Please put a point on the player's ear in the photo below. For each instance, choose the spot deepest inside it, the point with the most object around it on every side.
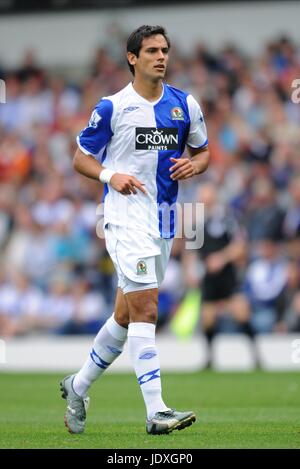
(131, 57)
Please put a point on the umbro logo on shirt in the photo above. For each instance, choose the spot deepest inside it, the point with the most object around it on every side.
(152, 138)
(130, 108)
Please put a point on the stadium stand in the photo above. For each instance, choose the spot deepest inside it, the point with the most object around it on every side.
(56, 276)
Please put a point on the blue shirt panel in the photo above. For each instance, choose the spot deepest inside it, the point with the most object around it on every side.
(167, 189)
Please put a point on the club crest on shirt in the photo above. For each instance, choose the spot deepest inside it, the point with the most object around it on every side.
(177, 114)
(141, 267)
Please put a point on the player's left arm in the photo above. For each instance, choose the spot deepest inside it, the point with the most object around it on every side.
(197, 144)
(184, 168)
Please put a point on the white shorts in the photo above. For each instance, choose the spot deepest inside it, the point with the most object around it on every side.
(139, 259)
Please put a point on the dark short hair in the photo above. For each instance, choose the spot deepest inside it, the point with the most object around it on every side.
(134, 42)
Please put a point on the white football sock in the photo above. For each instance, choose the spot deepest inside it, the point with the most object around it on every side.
(144, 356)
(108, 345)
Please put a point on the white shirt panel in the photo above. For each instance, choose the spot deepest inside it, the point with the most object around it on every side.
(198, 135)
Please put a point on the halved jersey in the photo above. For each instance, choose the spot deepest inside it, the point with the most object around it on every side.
(131, 135)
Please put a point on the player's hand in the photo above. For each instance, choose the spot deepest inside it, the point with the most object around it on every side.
(126, 184)
(183, 168)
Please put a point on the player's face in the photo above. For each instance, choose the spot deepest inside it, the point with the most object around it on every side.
(153, 58)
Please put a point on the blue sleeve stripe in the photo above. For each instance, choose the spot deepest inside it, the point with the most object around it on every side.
(84, 150)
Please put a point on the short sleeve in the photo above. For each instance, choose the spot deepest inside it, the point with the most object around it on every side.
(98, 133)
(197, 137)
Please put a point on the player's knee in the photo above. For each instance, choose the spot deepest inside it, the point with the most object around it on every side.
(143, 306)
(149, 314)
(145, 313)
(122, 317)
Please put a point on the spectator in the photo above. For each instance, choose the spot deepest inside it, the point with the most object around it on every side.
(90, 310)
(20, 302)
(224, 307)
(291, 226)
(265, 217)
(265, 283)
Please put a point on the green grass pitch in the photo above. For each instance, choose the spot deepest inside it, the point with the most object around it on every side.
(234, 410)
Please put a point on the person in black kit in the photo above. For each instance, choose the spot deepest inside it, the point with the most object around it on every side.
(224, 308)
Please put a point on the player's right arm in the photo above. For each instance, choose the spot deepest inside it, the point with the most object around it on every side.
(91, 144)
(88, 166)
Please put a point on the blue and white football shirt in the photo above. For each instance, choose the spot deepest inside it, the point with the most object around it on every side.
(132, 135)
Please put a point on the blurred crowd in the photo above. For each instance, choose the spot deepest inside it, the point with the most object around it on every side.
(55, 273)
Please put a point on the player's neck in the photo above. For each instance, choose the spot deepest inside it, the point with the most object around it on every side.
(149, 90)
